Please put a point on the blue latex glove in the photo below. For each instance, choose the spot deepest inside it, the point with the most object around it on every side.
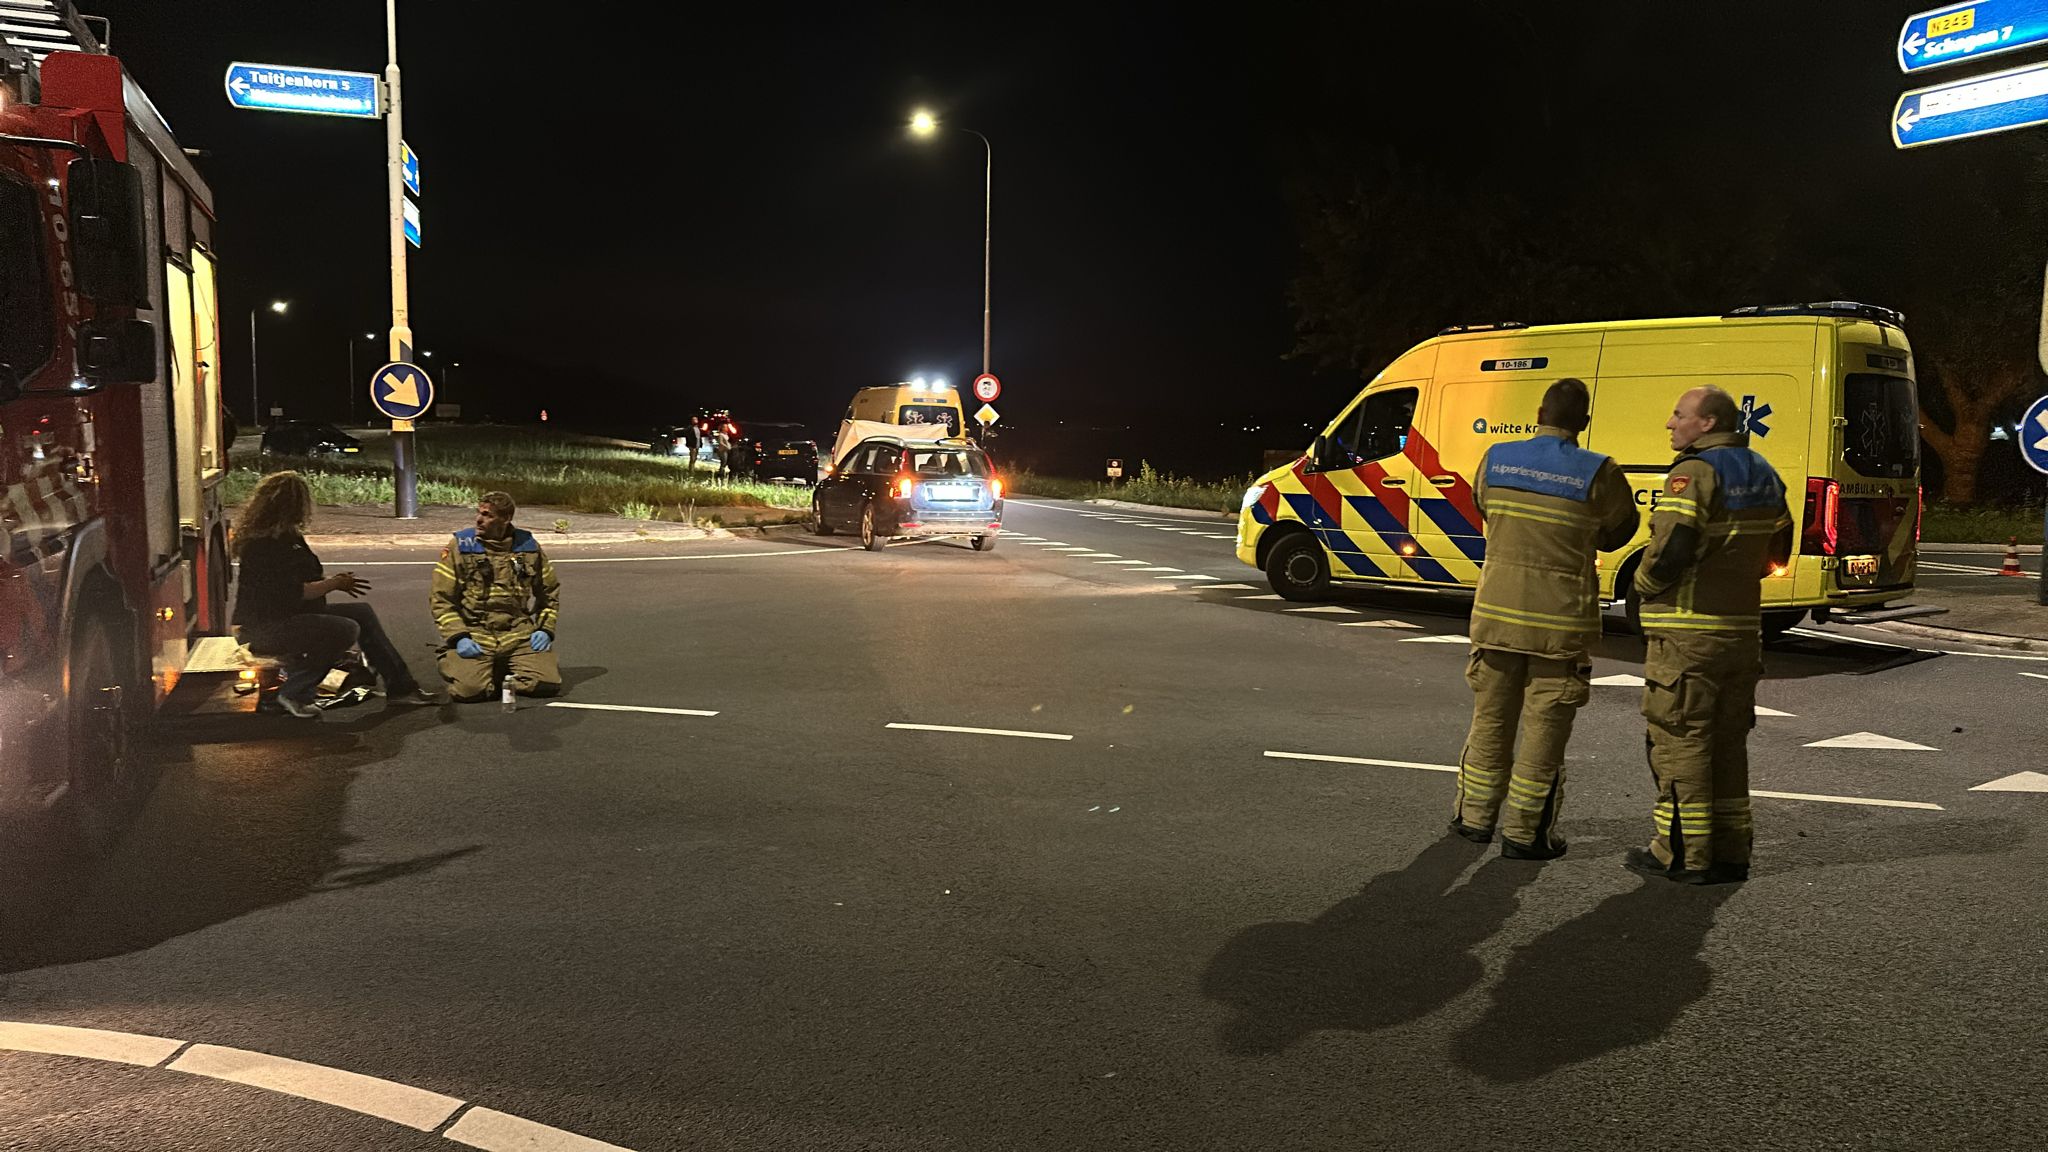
(541, 640)
(468, 649)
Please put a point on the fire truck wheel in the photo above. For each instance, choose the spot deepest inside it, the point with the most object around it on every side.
(1297, 569)
(97, 733)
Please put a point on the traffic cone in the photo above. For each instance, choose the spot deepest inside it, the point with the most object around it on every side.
(2012, 558)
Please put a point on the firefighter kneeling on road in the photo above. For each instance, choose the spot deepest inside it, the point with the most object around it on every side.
(495, 600)
(1719, 527)
(1548, 506)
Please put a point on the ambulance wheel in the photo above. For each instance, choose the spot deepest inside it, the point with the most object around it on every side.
(1297, 569)
(1776, 624)
(870, 539)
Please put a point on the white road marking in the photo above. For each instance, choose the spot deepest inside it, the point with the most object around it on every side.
(501, 1132)
(87, 1043)
(1188, 576)
(1865, 800)
(1155, 569)
(1270, 755)
(384, 1099)
(1052, 544)
(2017, 782)
(1763, 711)
(821, 551)
(1226, 536)
(1908, 648)
(1619, 680)
(1093, 555)
(1078, 548)
(370, 1095)
(1326, 609)
(1267, 596)
(1957, 569)
(2035, 675)
(1870, 740)
(981, 731)
(1378, 624)
(1436, 640)
(1246, 587)
(1123, 562)
(629, 708)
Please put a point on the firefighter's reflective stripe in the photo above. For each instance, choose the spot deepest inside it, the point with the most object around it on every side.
(1552, 621)
(1528, 795)
(1693, 819)
(1516, 510)
(1664, 616)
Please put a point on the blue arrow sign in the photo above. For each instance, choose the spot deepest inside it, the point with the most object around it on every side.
(412, 224)
(1970, 31)
(316, 91)
(401, 391)
(409, 164)
(2033, 435)
(2014, 98)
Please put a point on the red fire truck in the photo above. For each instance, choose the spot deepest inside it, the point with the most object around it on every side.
(111, 448)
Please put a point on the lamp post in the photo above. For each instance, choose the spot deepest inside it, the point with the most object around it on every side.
(352, 382)
(924, 126)
(255, 403)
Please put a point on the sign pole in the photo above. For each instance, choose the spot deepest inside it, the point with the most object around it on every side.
(404, 473)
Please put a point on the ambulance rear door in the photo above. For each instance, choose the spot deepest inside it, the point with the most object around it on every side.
(1487, 391)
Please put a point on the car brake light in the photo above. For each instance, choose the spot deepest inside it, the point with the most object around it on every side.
(1823, 506)
(995, 485)
(905, 485)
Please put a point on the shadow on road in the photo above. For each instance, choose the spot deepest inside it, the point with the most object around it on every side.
(1398, 950)
(259, 822)
(1621, 974)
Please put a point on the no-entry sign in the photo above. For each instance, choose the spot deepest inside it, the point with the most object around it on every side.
(987, 387)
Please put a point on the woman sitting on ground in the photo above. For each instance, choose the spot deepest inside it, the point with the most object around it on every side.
(281, 601)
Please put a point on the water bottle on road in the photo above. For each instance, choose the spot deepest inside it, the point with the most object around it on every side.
(505, 701)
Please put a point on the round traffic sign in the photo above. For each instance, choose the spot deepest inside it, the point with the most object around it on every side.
(2033, 435)
(401, 391)
(987, 387)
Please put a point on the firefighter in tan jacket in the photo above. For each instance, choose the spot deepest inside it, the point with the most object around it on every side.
(496, 602)
(1549, 505)
(1717, 529)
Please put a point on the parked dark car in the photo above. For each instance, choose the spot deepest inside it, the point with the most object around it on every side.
(307, 438)
(770, 451)
(672, 440)
(890, 487)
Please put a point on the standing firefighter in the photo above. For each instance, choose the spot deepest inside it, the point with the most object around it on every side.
(1548, 505)
(495, 600)
(1716, 530)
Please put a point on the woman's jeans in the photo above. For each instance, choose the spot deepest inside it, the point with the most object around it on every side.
(311, 643)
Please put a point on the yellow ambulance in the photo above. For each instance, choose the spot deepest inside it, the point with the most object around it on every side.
(1384, 495)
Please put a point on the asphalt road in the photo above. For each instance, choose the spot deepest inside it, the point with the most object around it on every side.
(792, 925)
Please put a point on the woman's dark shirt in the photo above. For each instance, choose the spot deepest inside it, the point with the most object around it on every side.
(272, 579)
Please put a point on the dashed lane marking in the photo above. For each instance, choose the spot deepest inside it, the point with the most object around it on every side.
(1763, 711)
(2017, 782)
(981, 731)
(1435, 640)
(1325, 609)
(826, 551)
(1870, 740)
(2035, 675)
(1379, 624)
(1866, 800)
(1186, 576)
(1123, 562)
(629, 708)
(1234, 587)
(387, 1100)
(1075, 548)
(1094, 555)
(1155, 569)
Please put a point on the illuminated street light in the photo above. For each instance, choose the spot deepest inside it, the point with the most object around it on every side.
(255, 405)
(924, 126)
(923, 123)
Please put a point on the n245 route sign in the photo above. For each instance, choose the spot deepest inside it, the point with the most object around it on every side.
(1971, 31)
(2014, 98)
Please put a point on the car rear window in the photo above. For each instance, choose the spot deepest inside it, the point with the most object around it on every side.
(1883, 433)
(930, 414)
(948, 462)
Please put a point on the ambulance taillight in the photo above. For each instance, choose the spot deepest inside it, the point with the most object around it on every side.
(1823, 505)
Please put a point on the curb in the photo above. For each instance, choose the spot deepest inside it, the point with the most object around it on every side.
(1163, 509)
(1963, 635)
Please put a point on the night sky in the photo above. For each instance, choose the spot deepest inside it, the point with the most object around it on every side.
(630, 213)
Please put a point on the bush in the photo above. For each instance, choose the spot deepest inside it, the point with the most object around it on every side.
(1973, 524)
(1149, 486)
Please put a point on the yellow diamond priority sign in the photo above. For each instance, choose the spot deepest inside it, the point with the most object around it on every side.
(986, 415)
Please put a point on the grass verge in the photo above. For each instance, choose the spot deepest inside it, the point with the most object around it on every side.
(458, 464)
(1149, 486)
(1949, 524)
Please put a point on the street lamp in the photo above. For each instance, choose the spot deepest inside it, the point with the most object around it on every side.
(369, 337)
(924, 126)
(255, 405)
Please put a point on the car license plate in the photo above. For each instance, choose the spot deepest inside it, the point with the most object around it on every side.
(950, 492)
(785, 451)
(1861, 567)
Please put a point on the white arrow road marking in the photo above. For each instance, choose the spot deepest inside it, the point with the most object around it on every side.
(981, 731)
(1378, 624)
(1763, 711)
(1436, 640)
(1619, 680)
(1327, 609)
(1870, 740)
(1867, 800)
(2035, 675)
(2017, 782)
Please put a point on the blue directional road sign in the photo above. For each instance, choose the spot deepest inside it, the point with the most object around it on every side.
(401, 391)
(409, 163)
(412, 224)
(1970, 31)
(316, 91)
(2033, 435)
(2014, 98)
